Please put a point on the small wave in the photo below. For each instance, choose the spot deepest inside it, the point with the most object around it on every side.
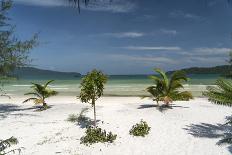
(57, 88)
(21, 85)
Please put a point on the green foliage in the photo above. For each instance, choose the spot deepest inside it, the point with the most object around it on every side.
(41, 92)
(96, 135)
(14, 52)
(220, 94)
(92, 86)
(5, 144)
(167, 89)
(140, 129)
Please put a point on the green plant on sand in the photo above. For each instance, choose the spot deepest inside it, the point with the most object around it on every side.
(7, 143)
(168, 89)
(41, 92)
(96, 135)
(140, 129)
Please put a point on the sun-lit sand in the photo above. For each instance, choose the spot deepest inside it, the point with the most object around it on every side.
(173, 131)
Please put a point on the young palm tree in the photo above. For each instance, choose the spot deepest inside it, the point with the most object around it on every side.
(41, 92)
(167, 89)
(221, 94)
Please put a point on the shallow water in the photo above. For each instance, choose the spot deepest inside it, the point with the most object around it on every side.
(118, 85)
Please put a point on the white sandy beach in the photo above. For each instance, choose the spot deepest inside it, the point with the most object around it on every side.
(48, 132)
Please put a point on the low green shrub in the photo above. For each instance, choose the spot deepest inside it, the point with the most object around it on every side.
(140, 129)
(96, 135)
(7, 143)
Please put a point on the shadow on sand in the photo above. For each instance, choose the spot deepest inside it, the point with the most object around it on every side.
(206, 130)
(7, 109)
(161, 108)
(87, 123)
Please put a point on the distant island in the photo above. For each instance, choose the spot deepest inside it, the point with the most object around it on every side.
(222, 70)
(35, 73)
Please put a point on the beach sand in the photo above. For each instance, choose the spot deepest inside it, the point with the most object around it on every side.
(173, 131)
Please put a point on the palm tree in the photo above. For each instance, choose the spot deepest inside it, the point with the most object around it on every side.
(167, 89)
(221, 94)
(41, 92)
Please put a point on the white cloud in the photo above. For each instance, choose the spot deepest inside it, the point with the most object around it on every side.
(50, 3)
(212, 51)
(171, 32)
(181, 14)
(94, 5)
(144, 59)
(125, 34)
(169, 48)
(206, 51)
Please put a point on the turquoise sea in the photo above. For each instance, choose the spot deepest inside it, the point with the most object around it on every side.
(118, 85)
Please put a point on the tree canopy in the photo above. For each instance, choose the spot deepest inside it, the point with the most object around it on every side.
(13, 51)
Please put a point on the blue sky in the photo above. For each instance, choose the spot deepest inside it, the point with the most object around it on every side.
(126, 36)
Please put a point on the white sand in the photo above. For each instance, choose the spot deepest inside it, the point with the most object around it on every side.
(47, 132)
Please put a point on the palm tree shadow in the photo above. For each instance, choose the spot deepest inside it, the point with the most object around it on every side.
(161, 108)
(206, 130)
(7, 109)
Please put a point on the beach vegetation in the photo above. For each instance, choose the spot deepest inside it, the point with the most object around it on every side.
(96, 135)
(6, 144)
(92, 86)
(40, 93)
(221, 93)
(14, 52)
(140, 129)
(168, 89)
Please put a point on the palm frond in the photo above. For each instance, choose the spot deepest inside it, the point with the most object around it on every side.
(45, 86)
(220, 94)
(29, 99)
(168, 90)
(33, 93)
(163, 75)
(7, 143)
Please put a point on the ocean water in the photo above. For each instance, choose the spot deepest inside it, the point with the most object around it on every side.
(117, 85)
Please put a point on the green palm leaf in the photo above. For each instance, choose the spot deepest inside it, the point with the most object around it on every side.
(41, 92)
(29, 99)
(220, 94)
(168, 90)
(45, 86)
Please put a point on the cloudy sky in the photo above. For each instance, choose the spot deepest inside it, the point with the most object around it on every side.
(126, 36)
